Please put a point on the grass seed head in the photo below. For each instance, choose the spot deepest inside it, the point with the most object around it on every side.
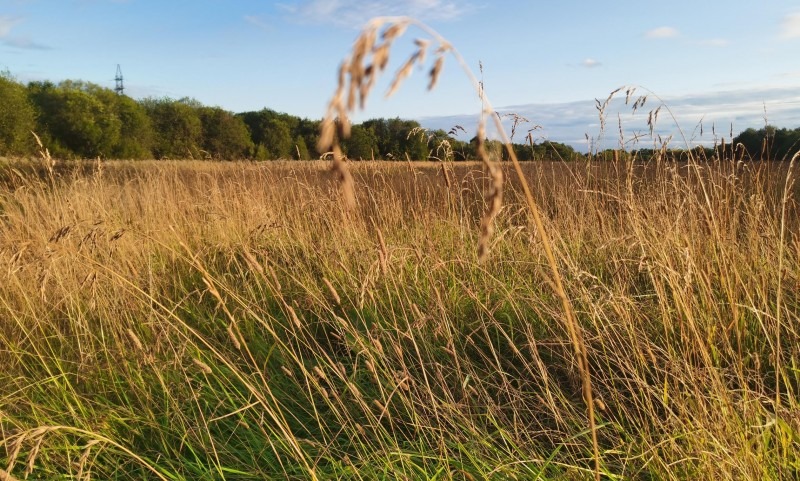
(205, 368)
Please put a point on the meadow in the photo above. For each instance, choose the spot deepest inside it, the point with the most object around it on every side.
(198, 320)
(621, 319)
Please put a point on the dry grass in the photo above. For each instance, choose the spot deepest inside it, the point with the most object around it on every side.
(191, 320)
(367, 60)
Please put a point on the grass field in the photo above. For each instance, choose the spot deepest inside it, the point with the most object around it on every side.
(209, 321)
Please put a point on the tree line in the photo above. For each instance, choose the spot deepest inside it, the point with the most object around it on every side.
(766, 143)
(77, 119)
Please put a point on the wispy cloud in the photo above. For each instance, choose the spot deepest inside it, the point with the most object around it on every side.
(355, 13)
(790, 26)
(7, 24)
(590, 63)
(662, 32)
(23, 43)
(258, 22)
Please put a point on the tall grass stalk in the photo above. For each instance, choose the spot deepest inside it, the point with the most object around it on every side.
(358, 73)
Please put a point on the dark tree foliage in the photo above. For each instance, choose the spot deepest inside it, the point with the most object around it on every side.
(256, 123)
(308, 130)
(301, 149)
(362, 144)
(397, 139)
(278, 139)
(281, 136)
(769, 143)
(178, 128)
(225, 136)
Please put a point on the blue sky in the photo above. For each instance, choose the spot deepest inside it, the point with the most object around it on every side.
(720, 61)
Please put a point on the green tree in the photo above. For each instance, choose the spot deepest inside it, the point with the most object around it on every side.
(787, 143)
(752, 141)
(74, 119)
(17, 117)
(177, 125)
(395, 139)
(225, 136)
(770, 143)
(308, 130)
(260, 152)
(415, 144)
(523, 152)
(388, 145)
(275, 134)
(462, 150)
(559, 151)
(278, 139)
(136, 132)
(301, 148)
(256, 124)
(362, 143)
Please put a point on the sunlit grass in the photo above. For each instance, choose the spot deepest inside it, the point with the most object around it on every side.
(232, 321)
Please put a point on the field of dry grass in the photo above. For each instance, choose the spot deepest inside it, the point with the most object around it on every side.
(188, 320)
(399, 320)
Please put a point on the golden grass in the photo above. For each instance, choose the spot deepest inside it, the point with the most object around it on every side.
(357, 76)
(148, 307)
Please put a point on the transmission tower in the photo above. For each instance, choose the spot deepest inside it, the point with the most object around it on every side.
(120, 88)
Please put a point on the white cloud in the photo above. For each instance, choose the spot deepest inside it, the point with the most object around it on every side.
(662, 32)
(590, 63)
(6, 24)
(790, 27)
(356, 13)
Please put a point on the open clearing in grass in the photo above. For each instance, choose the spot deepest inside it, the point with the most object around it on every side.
(192, 320)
